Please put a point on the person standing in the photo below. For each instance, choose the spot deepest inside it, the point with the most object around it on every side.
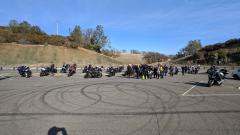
(165, 70)
(161, 71)
(171, 68)
(155, 72)
(158, 72)
(183, 70)
(137, 70)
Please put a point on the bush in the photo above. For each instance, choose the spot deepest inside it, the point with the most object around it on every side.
(57, 40)
(36, 39)
(3, 39)
(23, 41)
(73, 45)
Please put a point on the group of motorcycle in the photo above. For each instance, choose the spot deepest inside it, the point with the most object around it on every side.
(92, 72)
(112, 71)
(25, 71)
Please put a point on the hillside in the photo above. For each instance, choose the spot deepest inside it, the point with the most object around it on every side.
(127, 58)
(219, 53)
(14, 54)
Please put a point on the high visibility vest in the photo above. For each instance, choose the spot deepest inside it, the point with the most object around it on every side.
(161, 69)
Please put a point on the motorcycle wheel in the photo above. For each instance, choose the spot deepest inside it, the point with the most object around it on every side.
(70, 74)
(210, 83)
(26, 74)
(86, 75)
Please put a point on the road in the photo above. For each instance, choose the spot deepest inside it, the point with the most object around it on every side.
(182, 105)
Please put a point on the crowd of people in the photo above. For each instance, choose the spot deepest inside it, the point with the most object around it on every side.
(190, 69)
(145, 71)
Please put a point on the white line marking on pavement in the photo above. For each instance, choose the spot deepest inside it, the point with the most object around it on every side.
(211, 95)
(190, 89)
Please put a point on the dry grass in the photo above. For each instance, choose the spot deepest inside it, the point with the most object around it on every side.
(130, 58)
(14, 54)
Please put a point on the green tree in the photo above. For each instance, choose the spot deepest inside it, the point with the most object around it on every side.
(99, 38)
(24, 27)
(36, 30)
(192, 47)
(222, 56)
(211, 57)
(195, 57)
(76, 35)
(87, 36)
(152, 57)
(13, 25)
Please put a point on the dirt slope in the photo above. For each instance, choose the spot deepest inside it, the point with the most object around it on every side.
(14, 54)
(126, 58)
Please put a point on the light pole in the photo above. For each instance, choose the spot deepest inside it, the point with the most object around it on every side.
(57, 28)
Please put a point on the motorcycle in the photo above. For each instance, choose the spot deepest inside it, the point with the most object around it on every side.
(64, 68)
(85, 69)
(72, 70)
(94, 73)
(111, 72)
(45, 71)
(225, 72)
(24, 71)
(215, 78)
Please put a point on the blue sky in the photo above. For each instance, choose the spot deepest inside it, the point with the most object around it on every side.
(147, 25)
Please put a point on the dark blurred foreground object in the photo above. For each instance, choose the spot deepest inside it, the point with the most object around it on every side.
(55, 130)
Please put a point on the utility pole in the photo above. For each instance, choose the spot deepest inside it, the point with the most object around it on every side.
(57, 28)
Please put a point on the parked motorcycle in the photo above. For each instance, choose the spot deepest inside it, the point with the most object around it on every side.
(215, 77)
(224, 71)
(93, 73)
(24, 71)
(72, 70)
(111, 72)
(65, 68)
(45, 71)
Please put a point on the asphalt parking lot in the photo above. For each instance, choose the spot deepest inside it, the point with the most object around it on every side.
(182, 105)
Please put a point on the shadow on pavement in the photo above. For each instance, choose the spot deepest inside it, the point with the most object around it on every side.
(201, 84)
(4, 77)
